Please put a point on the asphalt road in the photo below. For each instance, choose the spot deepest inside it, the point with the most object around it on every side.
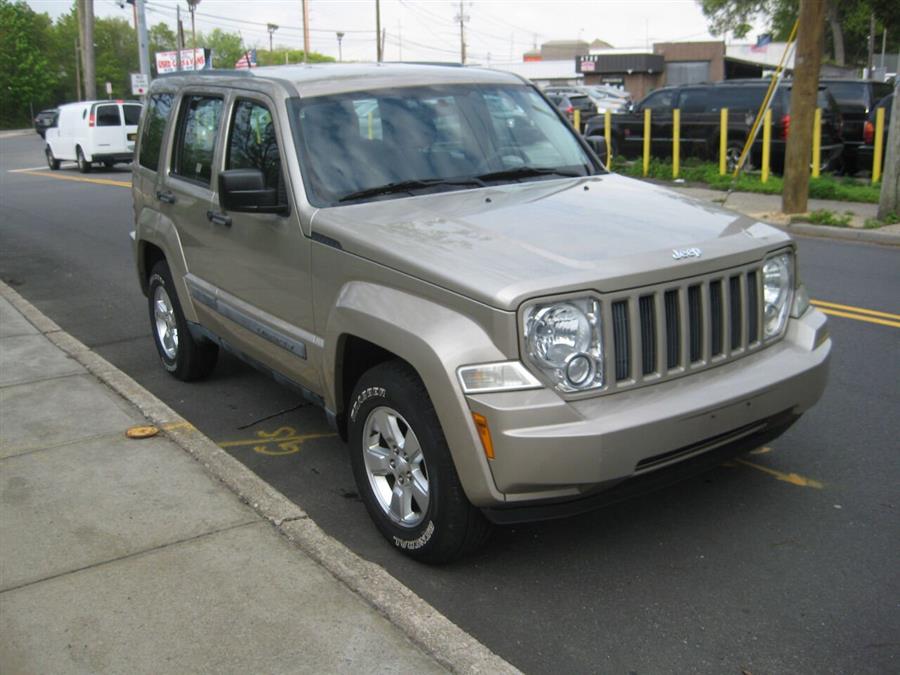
(786, 561)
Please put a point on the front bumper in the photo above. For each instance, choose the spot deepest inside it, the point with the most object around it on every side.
(547, 448)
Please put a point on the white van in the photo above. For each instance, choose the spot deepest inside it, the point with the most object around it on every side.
(93, 131)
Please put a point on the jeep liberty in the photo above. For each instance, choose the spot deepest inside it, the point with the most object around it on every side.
(500, 329)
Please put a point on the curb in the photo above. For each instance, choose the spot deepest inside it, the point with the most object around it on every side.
(843, 233)
(12, 133)
(430, 630)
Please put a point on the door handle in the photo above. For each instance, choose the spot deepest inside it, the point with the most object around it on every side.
(166, 197)
(218, 218)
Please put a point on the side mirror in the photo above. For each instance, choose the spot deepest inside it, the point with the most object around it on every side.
(244, 190)
(598, 145)
(629, 107)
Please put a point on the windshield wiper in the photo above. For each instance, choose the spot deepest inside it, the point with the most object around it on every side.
(529, 172)
(407, 185)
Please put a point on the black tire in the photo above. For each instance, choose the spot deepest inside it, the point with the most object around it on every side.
(190, 359)
(733, 153)
(84, 166)
(52, 162)
(449, 527)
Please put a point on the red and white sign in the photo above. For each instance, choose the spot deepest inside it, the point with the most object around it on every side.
(191, 59)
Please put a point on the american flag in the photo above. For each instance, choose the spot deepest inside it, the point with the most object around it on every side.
(247, 60)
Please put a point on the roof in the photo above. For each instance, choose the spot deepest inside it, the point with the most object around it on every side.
(320, 79)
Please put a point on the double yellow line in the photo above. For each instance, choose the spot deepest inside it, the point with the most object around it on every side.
(858, 313)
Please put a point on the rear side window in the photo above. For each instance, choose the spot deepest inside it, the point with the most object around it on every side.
(253, 144)
(108, 116)
(661, 100)
(693, 100)
(745, 97)
(132, 114)
(158, 110)
(196, 138)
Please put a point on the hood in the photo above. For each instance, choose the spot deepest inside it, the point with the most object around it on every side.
(502, 245)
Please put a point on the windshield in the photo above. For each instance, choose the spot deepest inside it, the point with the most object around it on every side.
(396, 142)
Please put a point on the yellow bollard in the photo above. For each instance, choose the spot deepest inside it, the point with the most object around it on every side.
(767, 145)
(723, 141)
(607, 131)
(646, 141)
(817, 143)
(879, 141)
(577, 120)
(676, 142)
(371, 125)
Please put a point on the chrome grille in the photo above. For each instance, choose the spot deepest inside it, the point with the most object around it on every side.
(665, 331)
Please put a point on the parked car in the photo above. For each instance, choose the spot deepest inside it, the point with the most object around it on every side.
(855, 99)
(603, 98)
(569, 103)
(866, 151)
(700, 107)
(500, 329)
(93, 131)
(44, 120)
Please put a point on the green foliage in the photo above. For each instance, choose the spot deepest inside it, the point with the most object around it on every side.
(735, 16)
(692, 171)
(874, 223)
(823, 217)
(26, 77)
(226, 47)
(277, 57)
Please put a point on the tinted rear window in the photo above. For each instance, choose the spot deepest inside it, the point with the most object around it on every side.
(108, 116)
(132, 114)
(736, 98)
(152, 134)
(848, 92)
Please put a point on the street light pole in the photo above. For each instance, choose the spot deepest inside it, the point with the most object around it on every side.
(143, 39)
(271, 28)
(192, 5)
(340, 36)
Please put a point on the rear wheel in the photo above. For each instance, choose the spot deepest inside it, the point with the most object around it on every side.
(182, 355)
(52, 162)
(84, 166)
(404, 471)
(733, 155)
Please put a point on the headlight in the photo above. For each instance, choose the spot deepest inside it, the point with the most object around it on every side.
(778, 291)
(563, 341)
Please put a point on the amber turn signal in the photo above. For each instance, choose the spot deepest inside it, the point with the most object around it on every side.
(485, 434)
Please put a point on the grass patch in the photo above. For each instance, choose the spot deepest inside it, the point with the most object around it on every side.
(824, 217)
(874, 223)
(693, 171)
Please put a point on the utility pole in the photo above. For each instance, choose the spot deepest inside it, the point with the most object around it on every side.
(378, 43)
(143, 40)
(340, 36)
(305, 31)
(179, 37)
(889, 202)
(462, 18)
(77, 70)
(86, 32)
(192, 6)
(271, 27)
(808, 59)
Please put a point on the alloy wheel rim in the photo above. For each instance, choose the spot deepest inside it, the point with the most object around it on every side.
(395, 467)
(164, 321)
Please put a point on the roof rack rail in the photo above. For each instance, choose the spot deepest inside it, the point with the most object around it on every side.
(221, 72)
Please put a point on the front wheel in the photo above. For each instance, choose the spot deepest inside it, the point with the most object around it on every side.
(52, 162)
(404, 471)
(182, 355)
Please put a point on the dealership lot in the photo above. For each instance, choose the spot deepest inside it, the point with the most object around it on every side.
(785, 560)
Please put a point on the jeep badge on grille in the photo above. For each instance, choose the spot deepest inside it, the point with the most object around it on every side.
(681, 253)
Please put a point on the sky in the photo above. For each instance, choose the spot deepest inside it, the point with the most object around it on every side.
(497, 31)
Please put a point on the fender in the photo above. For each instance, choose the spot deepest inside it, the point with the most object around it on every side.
(435, 341)
(155, 228)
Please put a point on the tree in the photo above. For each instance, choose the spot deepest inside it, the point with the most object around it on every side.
(26, 78)
(226, 47)
(116, 56)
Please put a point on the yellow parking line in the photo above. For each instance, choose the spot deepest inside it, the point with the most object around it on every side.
(77, 179)
(792, 478)
(856, 310)
(858, 317)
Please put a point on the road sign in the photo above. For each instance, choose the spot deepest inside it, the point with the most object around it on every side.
(109, 88)
(139, 84)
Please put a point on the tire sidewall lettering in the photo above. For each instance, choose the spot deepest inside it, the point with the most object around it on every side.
(418, 542)
(365, 395)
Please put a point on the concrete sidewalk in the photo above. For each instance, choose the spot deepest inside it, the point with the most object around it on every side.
(768, 208)
(121, 555)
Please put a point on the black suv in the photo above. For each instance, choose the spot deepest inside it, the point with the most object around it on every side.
(700, 106)
(856, 99)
